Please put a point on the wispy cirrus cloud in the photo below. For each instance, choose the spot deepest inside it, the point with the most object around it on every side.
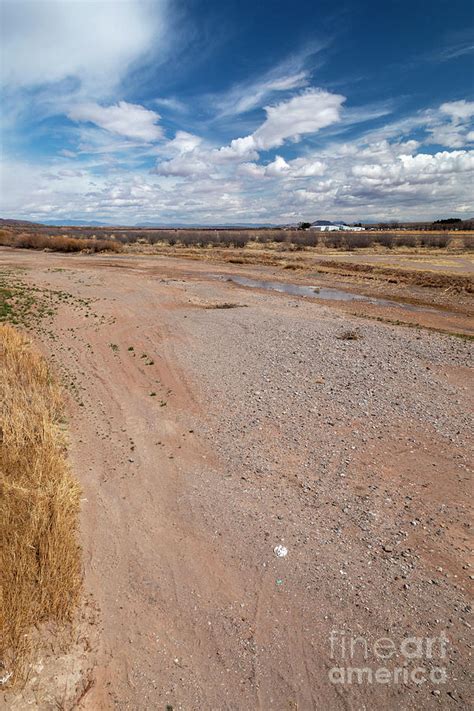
(245, 97)
(172, 104)
(47, 42)
(449, 125)
(455, 51)
(292, 73)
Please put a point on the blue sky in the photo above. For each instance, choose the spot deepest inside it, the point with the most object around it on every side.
(206, 112)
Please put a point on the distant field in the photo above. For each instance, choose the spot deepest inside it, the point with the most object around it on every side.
(442, 260)
(99, 239)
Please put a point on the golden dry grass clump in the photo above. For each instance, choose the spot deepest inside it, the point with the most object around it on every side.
(40, 560)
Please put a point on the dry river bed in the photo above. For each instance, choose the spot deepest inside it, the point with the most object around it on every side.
(207, 440)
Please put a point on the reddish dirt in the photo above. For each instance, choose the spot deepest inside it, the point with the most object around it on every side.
(192, 613)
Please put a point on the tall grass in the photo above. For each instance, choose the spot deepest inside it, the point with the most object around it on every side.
(40, 560)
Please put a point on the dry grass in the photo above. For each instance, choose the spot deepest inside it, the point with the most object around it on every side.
(437, 280)
(57, 243)
(40, 559)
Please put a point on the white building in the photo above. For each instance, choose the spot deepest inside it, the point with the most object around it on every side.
(337, 228)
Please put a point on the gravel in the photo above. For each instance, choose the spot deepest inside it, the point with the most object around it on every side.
(350, 453)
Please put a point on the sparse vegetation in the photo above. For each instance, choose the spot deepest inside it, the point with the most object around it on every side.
(22, 303)
(439, 235)
(18, 303)
(40, 558)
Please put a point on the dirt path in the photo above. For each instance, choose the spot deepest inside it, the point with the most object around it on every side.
(204, 437)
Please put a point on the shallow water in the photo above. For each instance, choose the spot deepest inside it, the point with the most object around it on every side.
(316, 292)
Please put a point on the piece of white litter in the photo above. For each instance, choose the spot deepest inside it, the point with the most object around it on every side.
(5, 677)
(280, 551)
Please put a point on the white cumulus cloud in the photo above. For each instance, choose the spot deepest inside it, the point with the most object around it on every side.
(289, 120)
(458, 110)
(301, 115)
(239, 149)
(183, 142)
(123, 119)
(277, 167)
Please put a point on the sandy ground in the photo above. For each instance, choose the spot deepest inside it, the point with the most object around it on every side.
(205, 437)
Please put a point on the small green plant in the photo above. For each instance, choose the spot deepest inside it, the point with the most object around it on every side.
(153, 394)
(130, 348)
(114, 347)
(225, 305)
(349, 336)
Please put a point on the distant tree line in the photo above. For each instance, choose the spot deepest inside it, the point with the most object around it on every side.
(450, 223)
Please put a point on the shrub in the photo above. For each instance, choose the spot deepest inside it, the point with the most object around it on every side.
(406, 240)
(468, 243)
(334, 240)
(6, 238)
(62, 243)
(386, 239)
(439, 241)
(356, 240)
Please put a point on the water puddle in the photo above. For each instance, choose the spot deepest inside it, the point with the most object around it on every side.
(320, 292)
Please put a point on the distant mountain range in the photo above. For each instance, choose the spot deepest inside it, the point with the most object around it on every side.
(319, 223)
(149, 225)
(183, 225)
(76, 223)
(18, 223)
(316, 223)
(160, 225)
